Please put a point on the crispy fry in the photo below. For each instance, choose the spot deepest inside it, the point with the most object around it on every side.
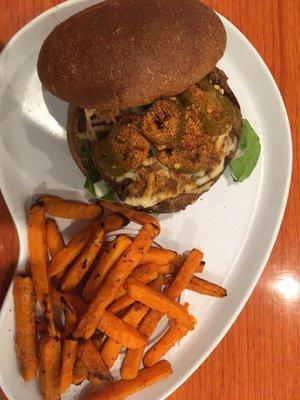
(153, 317)
(200, 267)
(110, 351)
(26, 331)
(145, 276)
(178, 260)
(205, 287)
(131, 363)
(93, 361)
(55, 241)
(68, 359)
(79, 372)
(164, 269)
(135, 216)
(114, 281)
(79, 305)
(121, 389)
(184, 274)
(85, 260)
(165, 343)
(49, 351)
(111, 348)
(70, 318)
(114, 222)
(108, 258)
(69, 301)
(159, 302)
(159, 256)
(132, 360)
(62, 259)
(120, 331)
(69, 348)
(39, 263)
(69, 209)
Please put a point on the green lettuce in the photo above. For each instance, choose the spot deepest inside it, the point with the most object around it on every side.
(242, 166)
(93, 176)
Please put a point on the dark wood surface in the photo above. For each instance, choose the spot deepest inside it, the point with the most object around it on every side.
(259, 359)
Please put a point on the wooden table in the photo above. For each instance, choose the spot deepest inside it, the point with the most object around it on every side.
(259, 359)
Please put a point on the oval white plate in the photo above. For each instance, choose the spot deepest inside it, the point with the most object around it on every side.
(234, 224)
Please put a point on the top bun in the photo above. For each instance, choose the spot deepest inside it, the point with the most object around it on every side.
(123, 53)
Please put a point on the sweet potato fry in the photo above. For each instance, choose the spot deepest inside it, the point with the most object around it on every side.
(165, 343)
(178, 260)
(110, 351)
(50, 352)
(205, 287)
(39, 263)
(93, 361)
(131, 363)
(200, 267)
(62, 259)
(120, 331)
(114, 222)
(69, 348)
(55, 241)
(26, 331)
(132, 360)
(121, 389)
(164, 269)
(135, 216)
(111, 348)
(106, 261)
(114, 281)
(69, 301)
(70, 319)
(144, 276)
(159, 302)
(153, 317)
(84, 262)
(69, 209)
(184, 274)
(69, 354)
(80, 373)
(159, 256)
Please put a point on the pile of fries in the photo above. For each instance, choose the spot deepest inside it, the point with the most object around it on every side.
(98, 296)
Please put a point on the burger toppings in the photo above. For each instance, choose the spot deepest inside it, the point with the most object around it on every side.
(163, 123)
(175, 145)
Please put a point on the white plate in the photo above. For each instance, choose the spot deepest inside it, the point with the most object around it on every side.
(234, 224)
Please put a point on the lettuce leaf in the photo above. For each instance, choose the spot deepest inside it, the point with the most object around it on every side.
(250, 148)
(92, 177)
(108, 197)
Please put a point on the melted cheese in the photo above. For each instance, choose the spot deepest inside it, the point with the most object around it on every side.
(90, 133)
(200, 182)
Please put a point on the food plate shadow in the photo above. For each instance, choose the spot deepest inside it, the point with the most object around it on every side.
(56, 107)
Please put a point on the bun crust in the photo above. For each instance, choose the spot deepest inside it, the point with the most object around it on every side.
(123, 53)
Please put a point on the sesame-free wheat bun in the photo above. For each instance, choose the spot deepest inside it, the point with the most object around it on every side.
(124, 53)
(149, 109)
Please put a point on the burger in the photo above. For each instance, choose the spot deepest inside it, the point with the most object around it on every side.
(150, 113)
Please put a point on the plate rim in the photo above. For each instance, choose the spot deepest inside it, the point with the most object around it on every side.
(279, 218)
